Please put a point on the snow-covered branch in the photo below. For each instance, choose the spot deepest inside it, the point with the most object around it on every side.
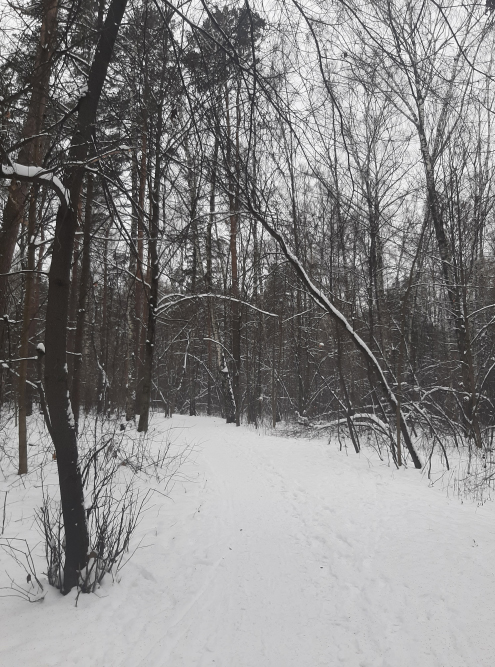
(358, 419)
(39, 175)
(163, 306)
(324, 302)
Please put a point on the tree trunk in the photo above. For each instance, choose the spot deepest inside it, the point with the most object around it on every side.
(81, 303)
(26, 325)
(140, 292)
(229, 404)
(31, 152)
(56, 379)
(457, 301)
(274, 386)
(209, 267)
(131, 335)
(192, 183)
(73, 300)
(102, 388)
(144, 408)
(234, 171)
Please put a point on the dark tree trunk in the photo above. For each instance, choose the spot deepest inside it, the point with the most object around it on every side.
(235, 311)
(140, 294)
(131, 322)
(73, 300)
(144, 407)
(56, 378)
(209, 268)
(102, 388)
(31, 151)
(26, 325)
(455, 290)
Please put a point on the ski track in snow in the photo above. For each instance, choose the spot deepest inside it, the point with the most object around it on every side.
(281, 553)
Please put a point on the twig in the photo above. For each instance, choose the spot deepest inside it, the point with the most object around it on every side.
(4, 508)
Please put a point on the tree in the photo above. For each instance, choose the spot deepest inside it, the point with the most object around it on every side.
(62, 425)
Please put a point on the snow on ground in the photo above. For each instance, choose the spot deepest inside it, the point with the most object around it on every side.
(276, 553)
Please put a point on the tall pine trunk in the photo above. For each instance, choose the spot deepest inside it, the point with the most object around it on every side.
(144, 407)
(235, 310)
(31, 152)
(139, 292)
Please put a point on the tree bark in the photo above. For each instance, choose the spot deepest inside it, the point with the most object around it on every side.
(56, 377)
(456, 299)
(234, 223)
(26, 325)
(144, 408)
(102, 387)
(208, 278)
(131, 329)
(81, 303)
(31, 152)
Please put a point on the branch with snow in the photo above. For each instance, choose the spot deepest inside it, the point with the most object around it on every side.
(357, 419)
(179, 298)
(36, 175)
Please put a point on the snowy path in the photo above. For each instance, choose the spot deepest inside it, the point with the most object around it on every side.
(282, 553)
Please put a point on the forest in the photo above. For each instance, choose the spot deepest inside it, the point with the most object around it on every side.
(279, 214)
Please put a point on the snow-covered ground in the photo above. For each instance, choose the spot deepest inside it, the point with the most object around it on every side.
(273, 552)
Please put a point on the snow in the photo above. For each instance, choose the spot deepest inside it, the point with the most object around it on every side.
(273, 552)
(70, 414)
(41, 348)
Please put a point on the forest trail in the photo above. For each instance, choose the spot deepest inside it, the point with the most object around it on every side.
(282, 553)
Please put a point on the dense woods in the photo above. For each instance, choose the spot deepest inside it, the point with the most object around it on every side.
(271, 213)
